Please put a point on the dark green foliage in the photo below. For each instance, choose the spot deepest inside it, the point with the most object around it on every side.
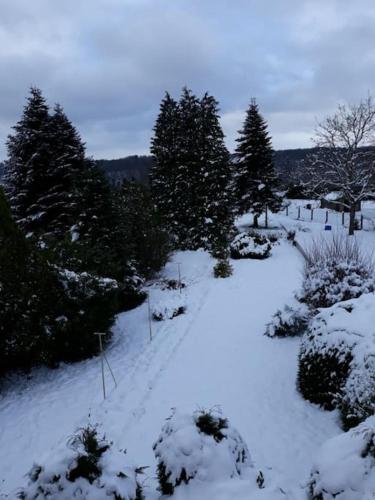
(223, 269)
(260, 480)
(148, 242)
(255, 180)
(47, 315)
(321, 377)
(28, 160)
(87, 465)
(211, 425)
(191, 174)
(166, 486)
(29, 292)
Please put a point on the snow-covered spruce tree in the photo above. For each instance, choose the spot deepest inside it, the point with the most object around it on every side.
(215, 196)
(341, 161)
(28, 160)
(190, 179)
(164, 148)
(255, 180)
(59, 196)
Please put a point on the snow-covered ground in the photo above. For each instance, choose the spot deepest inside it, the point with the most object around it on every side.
(214, 355)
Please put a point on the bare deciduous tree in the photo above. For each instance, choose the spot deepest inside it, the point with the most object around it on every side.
(343, 160)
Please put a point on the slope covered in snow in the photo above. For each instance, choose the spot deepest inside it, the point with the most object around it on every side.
(214, 355)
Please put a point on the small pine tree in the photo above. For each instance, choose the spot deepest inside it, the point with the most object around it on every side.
(255, 179)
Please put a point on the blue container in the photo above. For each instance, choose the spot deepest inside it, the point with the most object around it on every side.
(327, 227)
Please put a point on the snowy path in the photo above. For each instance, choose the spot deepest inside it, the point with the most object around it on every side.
(216, 354)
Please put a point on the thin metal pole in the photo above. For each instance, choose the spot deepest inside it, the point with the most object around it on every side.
(312, 214)
(110, 369)
(326, 216)
(149, 315)
(179, 276)
(102, 362)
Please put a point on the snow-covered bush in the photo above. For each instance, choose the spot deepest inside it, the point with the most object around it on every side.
(337, 359)
(171, 306)
(344, 468)
(250, 246)
(202, 446)
(223, 269)
(88, 471)
(289, 322)
(336, 270)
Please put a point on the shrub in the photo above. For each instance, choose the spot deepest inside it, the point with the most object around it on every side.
(200, 446)
(85, 472)
(345, 466)
(289, 322)
(173, 305)
(337, 359)
(336, 270)
(250, 246)
(223, 269)
(170, 284)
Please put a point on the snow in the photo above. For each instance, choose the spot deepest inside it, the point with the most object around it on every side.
(344, 466)
(216, 354)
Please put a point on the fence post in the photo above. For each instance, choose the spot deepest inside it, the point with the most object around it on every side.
(312, 214)
(343, 218)
(361, 221)
(326, 216)
(287, 210)
(299, 213)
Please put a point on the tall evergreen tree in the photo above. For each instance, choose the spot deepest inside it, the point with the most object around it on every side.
(216, 225)
(59, 200)
(194, 191)
(28, 161)
(164, 148)
(254, 179)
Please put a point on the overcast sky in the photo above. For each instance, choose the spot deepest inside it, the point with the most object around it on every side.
(108, 62)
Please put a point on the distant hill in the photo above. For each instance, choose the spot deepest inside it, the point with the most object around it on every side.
(287, 163)
(130, 168)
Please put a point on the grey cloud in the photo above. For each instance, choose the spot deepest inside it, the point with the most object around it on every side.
(108, 62)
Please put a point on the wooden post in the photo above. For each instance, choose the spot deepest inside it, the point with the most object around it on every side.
(312, 213)
(266, 217)
(149, 315)
(287, 210)
(326, 216)
(101, 358)
(361, 221)
(343, 218)
(299, 213)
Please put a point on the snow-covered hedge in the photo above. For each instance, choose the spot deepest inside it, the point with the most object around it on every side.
(171, 306)
(289, 322)
(344, 468)
(90, 470)
(337, 359)
(250, 246)
(201, 446)
(336, 270)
